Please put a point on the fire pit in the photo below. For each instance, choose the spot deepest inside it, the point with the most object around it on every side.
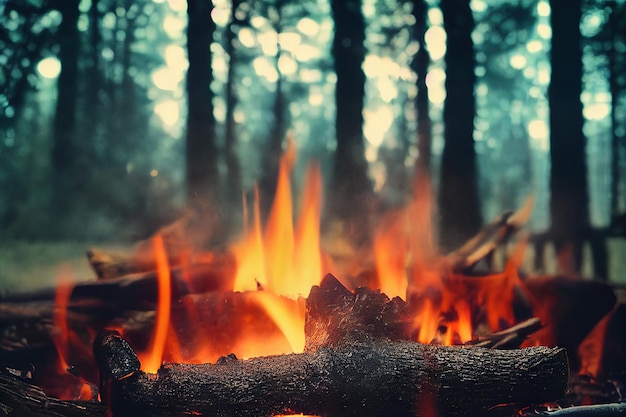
(413, 333)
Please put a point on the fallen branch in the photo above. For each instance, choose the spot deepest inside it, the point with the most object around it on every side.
(367, 378)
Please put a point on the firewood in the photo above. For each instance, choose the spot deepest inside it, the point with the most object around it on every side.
(596, 410)
(130, 292)
(489, 238)
(186, 240)
(508, 338)
(365, 378)
(569, 309)
(335, 314)
(20, 398)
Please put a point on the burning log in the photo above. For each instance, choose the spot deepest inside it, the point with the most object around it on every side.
(365, 378)
(19, 398)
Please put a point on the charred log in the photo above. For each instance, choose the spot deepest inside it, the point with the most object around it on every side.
(355, 379)
(19, 398)
(335, 314)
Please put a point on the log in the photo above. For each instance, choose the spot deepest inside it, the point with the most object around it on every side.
(111, 297)
(19, 398)
(365, 378)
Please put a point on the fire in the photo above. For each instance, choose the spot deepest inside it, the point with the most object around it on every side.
(280, 259)
(279, 262)
(65, 340)
(152, 359)
(276, 266)
(409, 266)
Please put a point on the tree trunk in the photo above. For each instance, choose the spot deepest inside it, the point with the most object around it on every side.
(569, 201)
(351, 188)
(232, 162)
(201, 152)
(614, 88)
(273, 149)
(459, 203)
(420, 66)
(65, 149)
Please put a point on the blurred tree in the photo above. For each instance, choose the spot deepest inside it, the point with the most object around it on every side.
(66, 150)
(201, 153)
(459, 203)
(610, 40)
(617, 85)
(420, 66)
(505, 29)
(569, 201)
(350, 188)
(239, 18)
(27, 32)
(275, 12)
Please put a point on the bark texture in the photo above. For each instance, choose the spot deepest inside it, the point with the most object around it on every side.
(360, 379)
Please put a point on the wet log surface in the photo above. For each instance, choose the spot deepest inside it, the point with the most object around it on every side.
(367, 378)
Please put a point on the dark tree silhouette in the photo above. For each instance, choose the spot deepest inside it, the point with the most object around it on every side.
(233, 185)
(420, 66)
(459, 204)
(201, 149)
(614, 40)
(569, 201)
(278, 130)
(65, 149)
(351, 188)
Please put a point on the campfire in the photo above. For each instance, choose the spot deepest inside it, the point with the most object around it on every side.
(283, 320)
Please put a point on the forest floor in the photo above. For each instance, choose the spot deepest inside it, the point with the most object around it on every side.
(28, 266)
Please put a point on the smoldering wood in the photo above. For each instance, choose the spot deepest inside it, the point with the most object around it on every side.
(19, 398)
(569, 308)
(335, 314)
(366, 378)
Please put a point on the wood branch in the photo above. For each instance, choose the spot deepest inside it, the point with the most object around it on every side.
(508, 338)
(185, 241)
(597, 410)
(19, 398)
(360, 379)
(487, 240)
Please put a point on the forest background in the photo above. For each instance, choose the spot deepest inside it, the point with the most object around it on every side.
(116, 114)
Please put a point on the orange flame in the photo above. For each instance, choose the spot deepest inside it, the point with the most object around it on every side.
(408, 265)
(61, 300)
(151, 361)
